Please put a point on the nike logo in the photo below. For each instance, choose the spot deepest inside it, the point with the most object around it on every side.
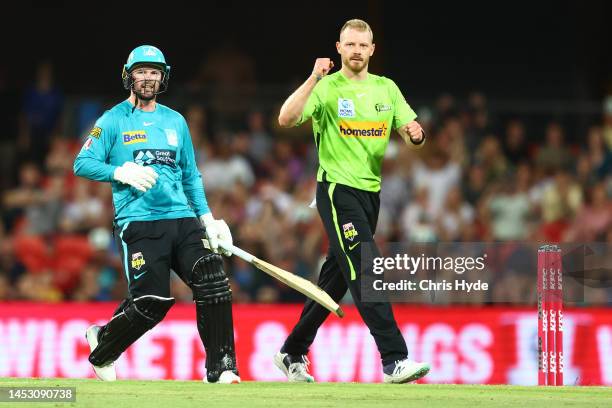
(359, 95)
(353, 246)
(139, 275)
(148, 123)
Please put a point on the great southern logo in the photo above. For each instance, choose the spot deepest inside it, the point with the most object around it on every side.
(363, 129)
(134, 136)
(148, 157)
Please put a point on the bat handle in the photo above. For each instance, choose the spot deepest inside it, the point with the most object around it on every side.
(236, 251)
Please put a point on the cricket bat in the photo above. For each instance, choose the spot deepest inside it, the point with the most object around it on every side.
(298, 283)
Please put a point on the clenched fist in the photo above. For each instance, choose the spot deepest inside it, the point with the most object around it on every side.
(415, 131)
(322, 67)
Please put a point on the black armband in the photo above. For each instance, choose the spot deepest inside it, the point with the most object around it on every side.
(419, 142)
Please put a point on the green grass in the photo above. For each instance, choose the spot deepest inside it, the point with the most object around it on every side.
(179, 394)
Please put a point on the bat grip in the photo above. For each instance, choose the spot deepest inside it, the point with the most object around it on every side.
(237, 251)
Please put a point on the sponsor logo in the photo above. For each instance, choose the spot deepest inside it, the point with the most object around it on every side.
(359, 95)
(139, 275)
(148, 123)
(346, 108)
(349, 231)
(172, 137)
(95, 132)
(150, 52)
(148, 157)
(87, 144)
(134, 136)
(363, 129)
(381, 107)
(353, 246)
(137, 261)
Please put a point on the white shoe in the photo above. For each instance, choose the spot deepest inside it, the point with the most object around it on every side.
(226, 377)
(404, 371)
(107, 372)
(295, 368)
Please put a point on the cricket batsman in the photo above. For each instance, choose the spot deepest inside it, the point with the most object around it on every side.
(352, 114)
(144, 150)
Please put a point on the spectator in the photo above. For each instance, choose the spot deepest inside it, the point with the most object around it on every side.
(456, 216)
(554, 155)
(438, 174)
(197, 121)
(224, 169)
(594, 219)
(607, 121)
(40, 206)
(515, 143)
(261, 141)
(475, 185)
(509, 211)
(418, 218)
(491, 157)
(599, 155)
(81, 213)
(41, 109)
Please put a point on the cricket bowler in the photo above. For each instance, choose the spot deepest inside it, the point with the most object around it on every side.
(353, 113)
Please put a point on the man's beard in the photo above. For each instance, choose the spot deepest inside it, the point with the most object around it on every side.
(150, 95)
(356, 66)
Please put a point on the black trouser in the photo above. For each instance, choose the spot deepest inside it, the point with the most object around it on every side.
(149, 249)
(349, 216)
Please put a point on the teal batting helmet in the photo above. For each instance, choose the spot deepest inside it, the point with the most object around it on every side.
(145, 55)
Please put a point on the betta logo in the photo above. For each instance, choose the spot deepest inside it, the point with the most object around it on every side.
(363, 129)
(134, 136)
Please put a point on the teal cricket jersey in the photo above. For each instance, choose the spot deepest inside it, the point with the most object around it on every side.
(159, 139)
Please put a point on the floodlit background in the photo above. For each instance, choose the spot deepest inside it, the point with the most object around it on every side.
(516, 101)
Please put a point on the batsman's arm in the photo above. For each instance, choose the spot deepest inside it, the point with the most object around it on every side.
(294, 107)
(92, 160)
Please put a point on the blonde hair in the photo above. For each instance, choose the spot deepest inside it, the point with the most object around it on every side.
(359, 25)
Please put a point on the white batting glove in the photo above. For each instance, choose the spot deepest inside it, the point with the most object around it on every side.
(216, 230)
(140, 177)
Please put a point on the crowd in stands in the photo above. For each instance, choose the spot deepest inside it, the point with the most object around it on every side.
(480, 177)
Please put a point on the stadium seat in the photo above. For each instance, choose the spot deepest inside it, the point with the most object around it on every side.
(33, 252)
(72, 252)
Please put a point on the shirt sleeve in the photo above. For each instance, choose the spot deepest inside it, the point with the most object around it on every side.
(92, 162)
(402, 112)
(313, 107)
(193, 185)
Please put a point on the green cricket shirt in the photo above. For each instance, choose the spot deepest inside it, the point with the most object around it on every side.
(352, 122)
